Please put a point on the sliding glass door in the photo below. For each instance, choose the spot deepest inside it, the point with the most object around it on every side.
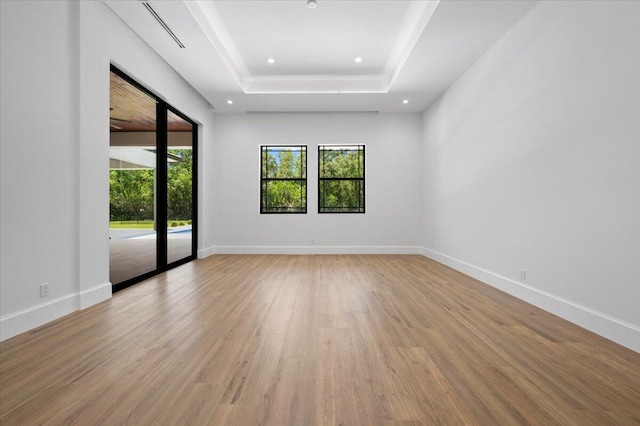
(151, 184)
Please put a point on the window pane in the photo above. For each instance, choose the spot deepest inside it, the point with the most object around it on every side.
(284, 196)
(342, 162)
(132, 181)
(179, 188)
(342, 196)
(284, 162)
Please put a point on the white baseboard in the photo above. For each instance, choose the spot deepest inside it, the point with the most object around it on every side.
(609, 327)
(206, 252)
(27, 319)
(95, 295)
(314, 250)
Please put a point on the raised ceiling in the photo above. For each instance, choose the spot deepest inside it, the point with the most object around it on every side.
(409, 50)
(340, 47)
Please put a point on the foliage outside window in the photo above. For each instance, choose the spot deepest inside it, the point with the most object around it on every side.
(341, 179)
(179, 182)
(131, 191)
(283, 183)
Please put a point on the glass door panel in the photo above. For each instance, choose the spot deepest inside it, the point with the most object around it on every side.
(179, 188)
(132, 182)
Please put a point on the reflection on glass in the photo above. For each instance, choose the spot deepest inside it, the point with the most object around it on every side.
(132, 182)
(179, 188)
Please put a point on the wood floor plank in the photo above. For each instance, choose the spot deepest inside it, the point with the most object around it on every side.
(418, 382)
(264, 364)
(327, 340)
(292, 401)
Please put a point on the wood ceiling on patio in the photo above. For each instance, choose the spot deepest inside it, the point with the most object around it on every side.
(132, 110)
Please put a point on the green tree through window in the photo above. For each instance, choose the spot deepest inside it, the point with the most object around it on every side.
(341, 179)
(283, 183)
(179, 181)
(131, 191)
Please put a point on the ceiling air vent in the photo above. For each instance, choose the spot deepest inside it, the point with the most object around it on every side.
(163, 24)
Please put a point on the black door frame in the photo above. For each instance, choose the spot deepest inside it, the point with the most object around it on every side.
(162, 109)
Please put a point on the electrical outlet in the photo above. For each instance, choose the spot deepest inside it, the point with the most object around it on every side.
(44, 290)
(523, 275)
(313, 242)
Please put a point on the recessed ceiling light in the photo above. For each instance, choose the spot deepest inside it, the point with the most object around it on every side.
(312, 4)
(358, 59)
(406, 101)
(271, 60)
(229, 101)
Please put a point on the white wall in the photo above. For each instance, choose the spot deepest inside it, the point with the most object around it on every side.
(55, 142)
(38, 157)
(532, 161)
(393, 184)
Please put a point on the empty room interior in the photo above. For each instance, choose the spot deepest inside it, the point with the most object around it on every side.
(341, 212)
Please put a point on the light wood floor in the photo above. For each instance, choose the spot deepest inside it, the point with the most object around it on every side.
(339, 340)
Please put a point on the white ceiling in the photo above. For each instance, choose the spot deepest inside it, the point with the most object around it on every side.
(313, 51)
(410, 50)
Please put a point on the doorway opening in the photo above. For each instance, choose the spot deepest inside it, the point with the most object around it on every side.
(152, 184)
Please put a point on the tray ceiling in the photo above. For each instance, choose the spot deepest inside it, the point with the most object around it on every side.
(410, 51)
(338, 47)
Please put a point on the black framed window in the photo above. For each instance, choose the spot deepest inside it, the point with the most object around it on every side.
(283, 179)
(341, 181)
